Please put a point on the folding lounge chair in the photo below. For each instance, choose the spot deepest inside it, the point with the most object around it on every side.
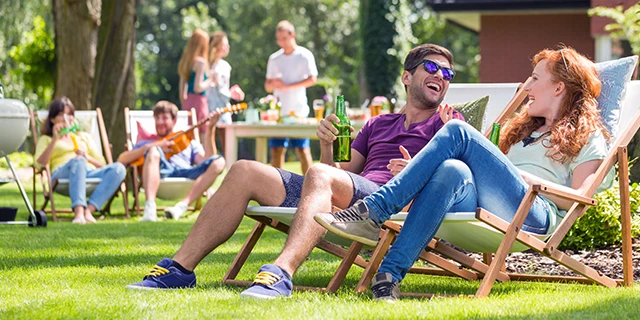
(280, 218)
(170, 188)
(484, 232)
(90, 121)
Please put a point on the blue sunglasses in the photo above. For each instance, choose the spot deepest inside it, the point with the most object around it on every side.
(432, 67)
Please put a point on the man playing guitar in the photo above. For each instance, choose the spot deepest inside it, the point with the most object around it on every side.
(194, 162)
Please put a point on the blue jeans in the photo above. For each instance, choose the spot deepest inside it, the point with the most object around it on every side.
(77, 172)
(457, 171)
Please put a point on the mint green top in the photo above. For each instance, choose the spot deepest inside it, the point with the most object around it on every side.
(533, 160)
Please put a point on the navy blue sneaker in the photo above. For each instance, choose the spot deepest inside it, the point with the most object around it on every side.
(165, 276)
(270, 282)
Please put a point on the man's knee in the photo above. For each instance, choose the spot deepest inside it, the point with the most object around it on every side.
(216, 166)
(243, 169)
(320, 173)
(153, 154)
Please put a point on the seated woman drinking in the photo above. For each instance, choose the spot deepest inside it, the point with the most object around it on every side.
(74, 156)
(557, 139)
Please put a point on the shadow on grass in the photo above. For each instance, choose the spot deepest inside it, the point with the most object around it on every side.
(625, 308)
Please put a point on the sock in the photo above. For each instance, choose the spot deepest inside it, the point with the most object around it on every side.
(180, 267)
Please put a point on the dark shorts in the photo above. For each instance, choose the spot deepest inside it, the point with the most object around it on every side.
(167, 170)
(362, 187)
(286, 142)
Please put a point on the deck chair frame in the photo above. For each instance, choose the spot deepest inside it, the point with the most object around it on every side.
(49, 186)
(492, 267)
(349, 256)
(135, 172)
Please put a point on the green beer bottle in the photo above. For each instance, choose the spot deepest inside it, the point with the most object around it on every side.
(495, 134)
(342, 144)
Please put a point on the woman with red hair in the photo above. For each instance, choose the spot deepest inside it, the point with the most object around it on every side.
(557, 139)
(193, 69)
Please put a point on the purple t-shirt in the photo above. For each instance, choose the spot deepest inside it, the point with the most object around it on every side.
(379, 140)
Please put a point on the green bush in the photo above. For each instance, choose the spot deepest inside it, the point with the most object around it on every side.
(600, 226)
(18, 159)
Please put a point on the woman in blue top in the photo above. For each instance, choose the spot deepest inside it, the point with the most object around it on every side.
(557, 139)
(193, 70)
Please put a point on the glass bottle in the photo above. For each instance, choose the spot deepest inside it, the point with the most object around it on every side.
(342, 144)
(494, 137)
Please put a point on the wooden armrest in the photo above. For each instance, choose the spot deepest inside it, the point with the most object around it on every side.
(549, 190)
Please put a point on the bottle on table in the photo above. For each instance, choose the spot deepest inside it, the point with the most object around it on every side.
(342, 144)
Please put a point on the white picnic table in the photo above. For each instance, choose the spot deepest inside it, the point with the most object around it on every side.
(264, 130)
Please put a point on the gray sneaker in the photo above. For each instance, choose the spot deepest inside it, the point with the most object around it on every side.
(352, 223)
(384, 288)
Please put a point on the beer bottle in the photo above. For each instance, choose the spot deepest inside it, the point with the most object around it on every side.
(342, 144)
(495, 134)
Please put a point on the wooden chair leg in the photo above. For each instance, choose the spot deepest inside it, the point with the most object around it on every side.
(244, 252)
(344, 267)
(125, 199)
(53, 207)
(506, 244)
(136, 191)
(625, 217)
(386, 239)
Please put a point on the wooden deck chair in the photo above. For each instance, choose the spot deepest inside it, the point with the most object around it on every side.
(280, 218)
(90, 121)
(170, 188)
(484, 232)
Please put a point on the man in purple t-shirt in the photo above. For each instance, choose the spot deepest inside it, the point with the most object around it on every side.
(381, 149)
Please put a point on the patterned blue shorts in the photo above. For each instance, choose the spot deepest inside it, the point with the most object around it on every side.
(362, 187)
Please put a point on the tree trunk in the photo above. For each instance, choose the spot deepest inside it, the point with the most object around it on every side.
(76, 31)
(114, 85)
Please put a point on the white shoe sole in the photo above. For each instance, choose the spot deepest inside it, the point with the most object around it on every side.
(253, 295)
(331, 228)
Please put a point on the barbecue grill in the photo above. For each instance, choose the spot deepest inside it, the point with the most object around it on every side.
(14, 125)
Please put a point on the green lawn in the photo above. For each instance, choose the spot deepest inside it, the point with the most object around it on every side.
(71, 271)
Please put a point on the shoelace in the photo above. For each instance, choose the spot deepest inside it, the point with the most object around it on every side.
(156, 271)
(384, 289)
(266, 278)
(350, 214)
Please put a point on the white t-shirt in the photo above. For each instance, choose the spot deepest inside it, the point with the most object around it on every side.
(292, 68)
(218, 96)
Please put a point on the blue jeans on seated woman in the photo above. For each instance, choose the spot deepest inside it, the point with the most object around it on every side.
(457, 171)
(77, 172)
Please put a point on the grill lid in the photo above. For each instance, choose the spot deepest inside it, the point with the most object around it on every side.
(11, 108)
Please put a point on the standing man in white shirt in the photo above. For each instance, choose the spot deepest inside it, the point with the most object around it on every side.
(290, 71)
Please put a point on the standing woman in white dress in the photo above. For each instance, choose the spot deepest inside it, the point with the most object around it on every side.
(220, 93)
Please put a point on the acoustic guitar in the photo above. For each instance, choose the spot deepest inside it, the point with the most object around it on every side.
(182, 139)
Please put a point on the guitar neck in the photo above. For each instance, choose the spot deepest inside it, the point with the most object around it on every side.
(231, 108)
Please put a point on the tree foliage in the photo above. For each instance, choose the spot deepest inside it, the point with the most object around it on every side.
(326, 27)
(14, 26)
(626, 23)
(35, 55)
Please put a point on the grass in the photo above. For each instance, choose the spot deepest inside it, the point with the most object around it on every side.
(69, 271)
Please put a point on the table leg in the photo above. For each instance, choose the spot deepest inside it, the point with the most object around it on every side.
(261, 150)
(230, 146)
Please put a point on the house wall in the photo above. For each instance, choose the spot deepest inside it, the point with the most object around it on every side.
(509, 42)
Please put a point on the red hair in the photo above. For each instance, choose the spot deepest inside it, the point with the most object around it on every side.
(578, 117)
